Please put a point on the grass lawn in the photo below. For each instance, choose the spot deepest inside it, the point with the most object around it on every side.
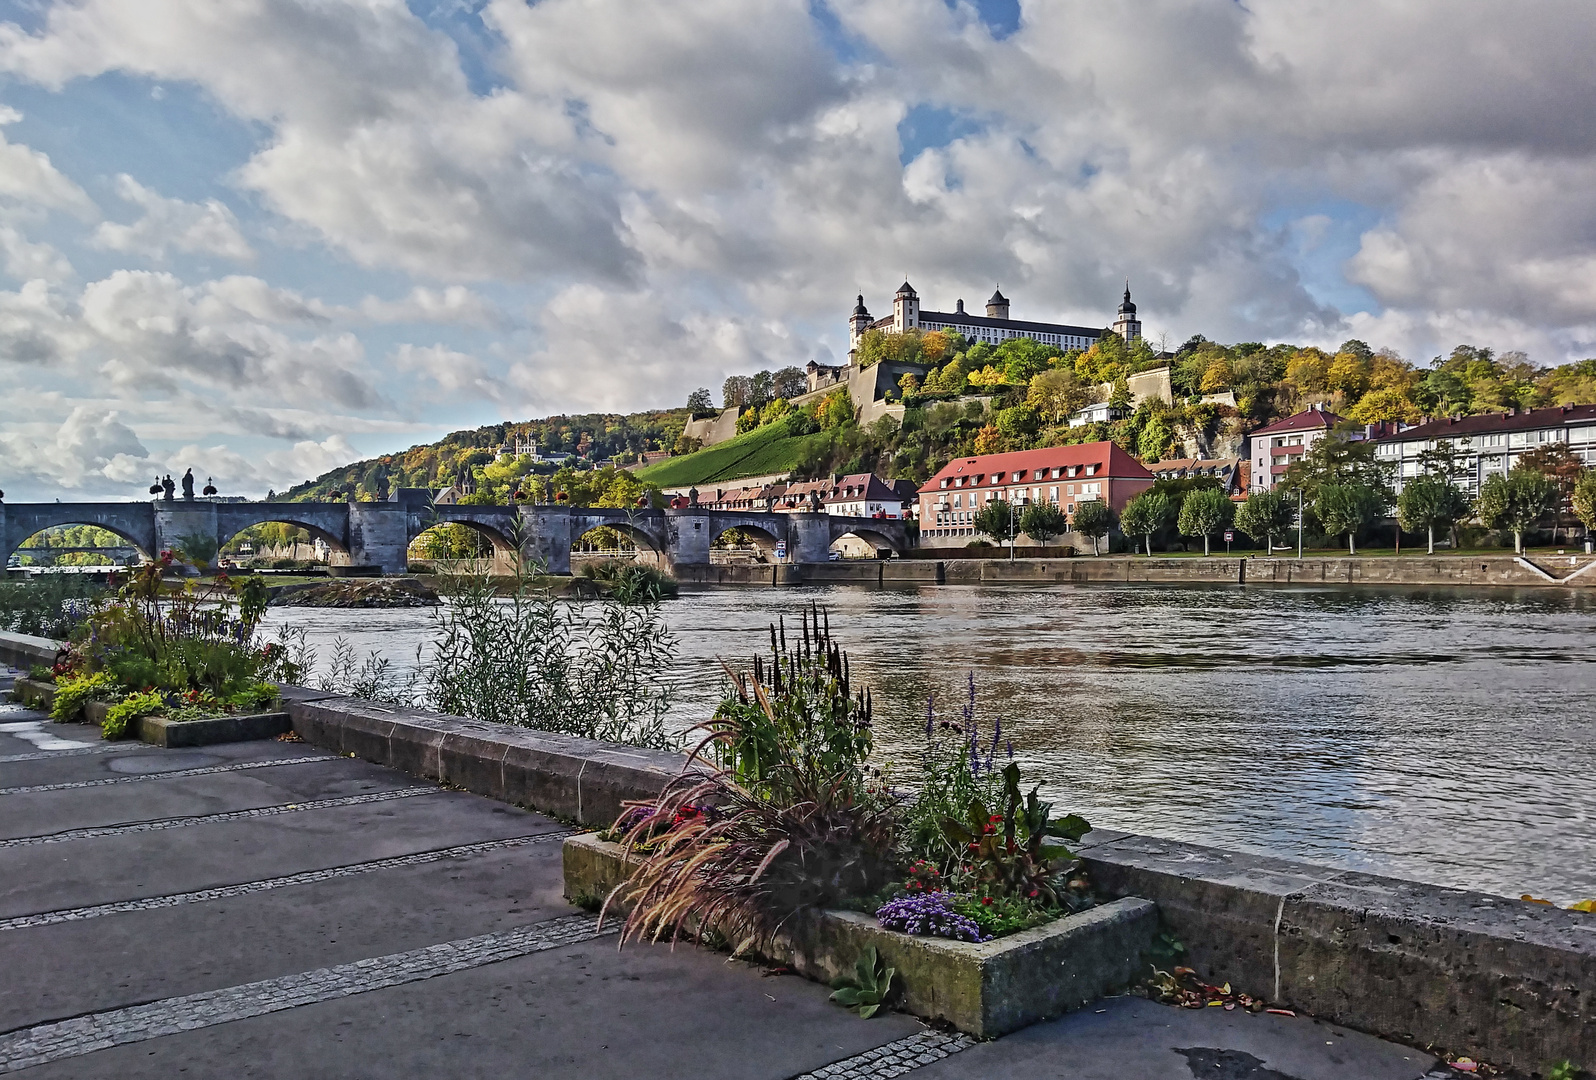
(760, 452)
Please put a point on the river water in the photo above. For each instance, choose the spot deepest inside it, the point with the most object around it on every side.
(1443, 735)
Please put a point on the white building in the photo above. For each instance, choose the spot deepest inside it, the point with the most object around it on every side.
(1490, 443)
(1276, 447)
(994, 328)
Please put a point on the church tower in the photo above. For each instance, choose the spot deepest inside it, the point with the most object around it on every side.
(905, 309)
(858, 322)
(1127, 325)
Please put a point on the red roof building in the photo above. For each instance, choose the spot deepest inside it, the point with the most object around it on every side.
(1274, 448)
(1063, 475)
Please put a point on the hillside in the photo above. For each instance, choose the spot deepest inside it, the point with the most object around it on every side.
(761, 452)
(464, 454)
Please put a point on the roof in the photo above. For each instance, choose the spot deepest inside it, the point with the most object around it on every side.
(1115, 462)
(873, 488)
(998, 297)
(1492, 423)
(1306, 420)
(1126, 307)
(907, 290)
(858, 306)
(964, 318)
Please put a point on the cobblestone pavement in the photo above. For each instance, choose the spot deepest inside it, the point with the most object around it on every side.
(213, 914)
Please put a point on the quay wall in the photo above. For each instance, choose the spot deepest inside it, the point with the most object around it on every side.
(1564, 571)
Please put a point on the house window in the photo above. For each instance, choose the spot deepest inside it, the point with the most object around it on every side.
(1052, 494)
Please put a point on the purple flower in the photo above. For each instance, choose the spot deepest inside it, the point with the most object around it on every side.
(929, 915)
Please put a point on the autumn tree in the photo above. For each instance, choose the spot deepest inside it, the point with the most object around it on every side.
(1056, 393)
(1564, 467)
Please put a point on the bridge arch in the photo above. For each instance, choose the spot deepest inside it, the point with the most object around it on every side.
(124, 534)
(133, 522)
(887, 534)
(225, 532)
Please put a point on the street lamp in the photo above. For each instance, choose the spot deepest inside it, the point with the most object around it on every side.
(1299, 524)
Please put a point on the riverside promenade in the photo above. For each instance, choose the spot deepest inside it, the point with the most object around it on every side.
(270, 909)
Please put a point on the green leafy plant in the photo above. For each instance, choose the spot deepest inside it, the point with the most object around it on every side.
(1093, 518)
(1008, 853)
(71, 693)
(1563, 1070)
(129, 710)
(869, 986)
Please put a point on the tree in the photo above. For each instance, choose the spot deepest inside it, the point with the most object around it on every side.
(737, 390)
(699, 402)
(1265, 514)
(1346, 508)
(790, 382)
(761, 388)
(1516, 501)
(1564, 466)
(1056, 393)
(1094, 519)
(1147, 514)
(1429, 502)
(995, 519)
(1336, 459)
(1584, 501)
(1203, 512)
(836, 410)
(1042, 521)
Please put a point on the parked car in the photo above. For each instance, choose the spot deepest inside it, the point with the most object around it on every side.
(834, 556)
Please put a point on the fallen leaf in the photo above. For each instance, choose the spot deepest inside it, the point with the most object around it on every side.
(1584, 905)
(1528, 899)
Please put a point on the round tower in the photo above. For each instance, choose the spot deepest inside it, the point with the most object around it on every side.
(998, 306)
(858, 322)
(1127, 325)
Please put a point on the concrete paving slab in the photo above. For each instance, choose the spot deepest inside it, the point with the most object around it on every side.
(1128, 1037)
(130, 865)
(585, 1011)
(122, 755)
(40, 812)
(108, 962)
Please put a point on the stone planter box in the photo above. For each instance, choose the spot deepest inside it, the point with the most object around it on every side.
(984, 989)
(160, 731)
(34, 693)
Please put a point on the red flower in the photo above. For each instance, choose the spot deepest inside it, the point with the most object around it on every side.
(986, 899)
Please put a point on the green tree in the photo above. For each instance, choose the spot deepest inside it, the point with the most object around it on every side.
(1056, 393)
(1146, 514)
(1337, 459)
(1516, 501)
(995, 519)
(1019, 424)
(1428, 502)
(1203, 513)
(699, 402)
(1346, 508)
(1094, 519)
(836, 410)
(1042, 521)
(1155, 439)
(1584, 501)
(1264, 515)
(1565, 468)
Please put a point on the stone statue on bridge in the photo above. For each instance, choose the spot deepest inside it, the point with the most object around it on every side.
(188, 486)
(168, 488)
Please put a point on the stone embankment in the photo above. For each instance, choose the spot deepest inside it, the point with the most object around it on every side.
(400, 592)
(1560, 571)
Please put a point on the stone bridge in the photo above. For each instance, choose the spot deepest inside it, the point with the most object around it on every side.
(378, 534)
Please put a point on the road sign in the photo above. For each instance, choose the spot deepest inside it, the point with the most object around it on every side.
(781, 549)
(1229, 535)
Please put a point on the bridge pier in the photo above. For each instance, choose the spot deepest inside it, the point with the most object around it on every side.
(809, 537)
(546, 537)
(174, 521)
(379, 535)
(687, 537)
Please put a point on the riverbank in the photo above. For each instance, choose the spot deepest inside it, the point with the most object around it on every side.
(1497, 571)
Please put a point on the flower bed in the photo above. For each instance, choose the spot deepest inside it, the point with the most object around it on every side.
(983, 988)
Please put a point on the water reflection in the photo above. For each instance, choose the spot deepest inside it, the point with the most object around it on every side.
(1437, 734)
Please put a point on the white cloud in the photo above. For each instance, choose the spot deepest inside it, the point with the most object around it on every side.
(27, 260)
(456, 304)
(89, 444)
(207, 228)
(28, 176)
(451, 371)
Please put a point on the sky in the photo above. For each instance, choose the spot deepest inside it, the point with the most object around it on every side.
(263, 238)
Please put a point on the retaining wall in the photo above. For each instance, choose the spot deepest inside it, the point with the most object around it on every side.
(23, 651)
(1564, 571)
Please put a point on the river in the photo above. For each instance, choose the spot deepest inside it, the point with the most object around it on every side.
(1443, 735)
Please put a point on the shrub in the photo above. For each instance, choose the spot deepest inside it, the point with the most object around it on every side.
(128, 710)
(48, 605)
(1007, 853)
(71, 693)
